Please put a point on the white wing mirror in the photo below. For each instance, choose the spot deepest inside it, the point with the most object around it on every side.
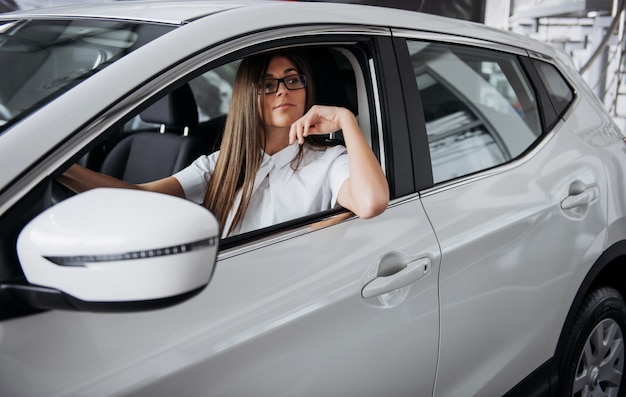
(116, 250)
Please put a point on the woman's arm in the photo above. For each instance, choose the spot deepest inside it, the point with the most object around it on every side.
(365, 192)
(80, 179)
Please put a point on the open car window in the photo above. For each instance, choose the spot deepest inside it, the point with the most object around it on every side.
(188, 121)
(184, 119)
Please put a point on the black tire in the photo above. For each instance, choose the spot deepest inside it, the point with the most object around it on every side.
(593, 359)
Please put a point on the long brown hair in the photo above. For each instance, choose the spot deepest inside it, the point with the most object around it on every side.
(241, 149)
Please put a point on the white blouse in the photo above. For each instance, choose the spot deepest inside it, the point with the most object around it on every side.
(279, 193)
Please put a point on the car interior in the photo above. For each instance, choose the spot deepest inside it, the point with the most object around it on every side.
(177, 129)
(151, 154)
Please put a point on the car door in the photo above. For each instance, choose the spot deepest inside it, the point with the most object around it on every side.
(502, 205)
(328, 305)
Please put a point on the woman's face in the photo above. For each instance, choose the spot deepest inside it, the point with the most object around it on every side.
(283, 107)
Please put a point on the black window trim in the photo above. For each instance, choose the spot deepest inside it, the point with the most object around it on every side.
(415, 120)
(558, 115)
(547, 113)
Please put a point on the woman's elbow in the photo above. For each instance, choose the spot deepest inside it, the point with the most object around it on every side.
(372, 206)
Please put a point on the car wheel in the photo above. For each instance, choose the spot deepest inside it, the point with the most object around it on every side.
(593, 360)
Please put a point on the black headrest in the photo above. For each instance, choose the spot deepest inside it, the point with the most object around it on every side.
(177, 109)
(332, 87)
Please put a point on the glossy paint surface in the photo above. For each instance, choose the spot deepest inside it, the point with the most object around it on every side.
(286, 315)
(268, 316)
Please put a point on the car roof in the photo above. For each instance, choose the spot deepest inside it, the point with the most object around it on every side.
(180, 12)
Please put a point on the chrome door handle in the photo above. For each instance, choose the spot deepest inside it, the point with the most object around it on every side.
(411, 273)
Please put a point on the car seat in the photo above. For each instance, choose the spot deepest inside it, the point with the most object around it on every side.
(150, 155)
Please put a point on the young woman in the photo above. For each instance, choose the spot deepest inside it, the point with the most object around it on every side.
(272, 166)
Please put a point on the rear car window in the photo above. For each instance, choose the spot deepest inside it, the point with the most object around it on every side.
(479, 107)
(560, 92)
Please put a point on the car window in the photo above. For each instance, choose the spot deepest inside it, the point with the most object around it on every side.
(169, 130)
(211, 92)
(560, 92)
(41, 59)
(479, 108)
(188, 122)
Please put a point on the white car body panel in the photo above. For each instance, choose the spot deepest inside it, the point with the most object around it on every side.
(257, 301)
(527, 268)
(519, 196)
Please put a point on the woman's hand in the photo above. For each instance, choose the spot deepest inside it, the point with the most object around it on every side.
(319, 120)
(365, 192)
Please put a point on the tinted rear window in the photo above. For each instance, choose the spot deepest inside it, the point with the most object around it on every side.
(561, 94)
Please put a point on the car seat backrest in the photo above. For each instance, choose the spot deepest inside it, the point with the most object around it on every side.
(176, 110)
(147, 156)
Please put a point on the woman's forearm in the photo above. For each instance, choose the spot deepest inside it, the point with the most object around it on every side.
(366, 191)
(80, 179)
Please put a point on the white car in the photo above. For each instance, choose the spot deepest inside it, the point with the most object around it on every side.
(497, 269)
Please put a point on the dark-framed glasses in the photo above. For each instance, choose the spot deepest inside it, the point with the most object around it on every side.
(270, 85)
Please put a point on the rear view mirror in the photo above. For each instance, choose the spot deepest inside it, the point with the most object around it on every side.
(116, 250)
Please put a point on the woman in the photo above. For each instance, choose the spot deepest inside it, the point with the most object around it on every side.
(271, 166)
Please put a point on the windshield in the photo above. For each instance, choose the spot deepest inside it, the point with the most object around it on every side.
(40, 59)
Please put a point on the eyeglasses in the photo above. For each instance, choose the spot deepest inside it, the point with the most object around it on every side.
(270, 85)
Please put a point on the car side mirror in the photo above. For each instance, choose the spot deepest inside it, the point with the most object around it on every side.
(116, 250)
